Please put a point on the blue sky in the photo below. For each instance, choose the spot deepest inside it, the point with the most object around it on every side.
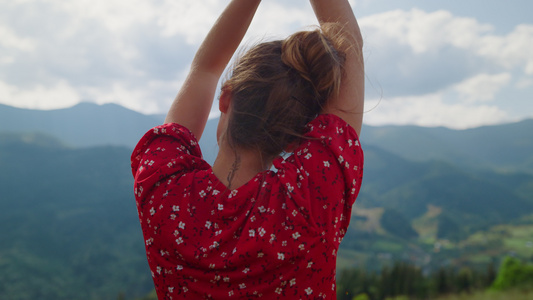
(458, 64)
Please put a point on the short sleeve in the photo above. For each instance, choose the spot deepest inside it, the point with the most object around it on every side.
(164, 151)
(324, 174)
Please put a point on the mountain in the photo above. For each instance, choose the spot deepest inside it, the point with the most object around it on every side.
(469, 196)
(69, 223)
(507, 147)
(83, 125)
(430, 195)
(89, 124)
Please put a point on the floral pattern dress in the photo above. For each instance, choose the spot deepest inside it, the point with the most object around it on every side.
(275, 237)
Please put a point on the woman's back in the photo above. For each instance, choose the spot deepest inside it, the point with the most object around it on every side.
(274, 237)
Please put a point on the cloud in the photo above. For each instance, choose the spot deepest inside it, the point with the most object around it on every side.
(431, 110)
(10, 40)
(439, 49)
(58, 95)
(482, 87)
(512, 50)
(137, 53)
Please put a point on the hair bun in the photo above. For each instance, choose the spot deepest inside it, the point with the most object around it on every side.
(318, 57)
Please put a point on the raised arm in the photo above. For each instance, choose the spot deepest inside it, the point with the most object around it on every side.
(193, 103)
(349, 104)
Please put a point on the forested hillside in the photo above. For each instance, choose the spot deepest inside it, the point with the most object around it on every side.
(69, 223)
(71, 229)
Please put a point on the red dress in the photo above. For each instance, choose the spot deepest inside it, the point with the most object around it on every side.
(276, 237)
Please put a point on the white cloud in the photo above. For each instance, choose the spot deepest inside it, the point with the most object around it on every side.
(136, 53)
(58, 95)
(524, 83)
(431, 110)
(117, 16)
(424, 31)
(512, 50)
(482, 87)
(10, 40)
(435, 31)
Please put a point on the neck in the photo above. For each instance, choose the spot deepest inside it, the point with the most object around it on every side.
(235, 167)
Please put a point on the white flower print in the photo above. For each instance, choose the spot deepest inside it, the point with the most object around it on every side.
(272, 238)
(281, 256)
(179, 240)
(208, 224)
(175, 208)
(233, 193)
(326, 164)
(220, 207)
(308, 156)
(293, 281)
(261, 231)
(230, 293)
(181, 225)
(262, 209)
(215, 245)
(251, 232)
(296, 235)
(308, 291)
(246, 270)
(158, 270)
(176, 232)
(152, 211)
(290, 188)
(242, 286)
(215, 192)
(202, 193)
(170, 289)
(341, 159)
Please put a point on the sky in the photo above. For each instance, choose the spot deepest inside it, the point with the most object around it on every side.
(458, 64)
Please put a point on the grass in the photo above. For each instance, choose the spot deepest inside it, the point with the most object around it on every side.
(491, 295)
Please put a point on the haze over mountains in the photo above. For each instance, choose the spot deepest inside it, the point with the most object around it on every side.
(71, 229)
(504, 147)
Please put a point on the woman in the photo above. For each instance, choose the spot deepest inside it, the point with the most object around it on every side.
(238, 229)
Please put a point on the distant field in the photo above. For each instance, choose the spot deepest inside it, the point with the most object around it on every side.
(491, 295)
(480, 248)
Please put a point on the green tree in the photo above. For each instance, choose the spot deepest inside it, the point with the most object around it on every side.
(513, 274)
